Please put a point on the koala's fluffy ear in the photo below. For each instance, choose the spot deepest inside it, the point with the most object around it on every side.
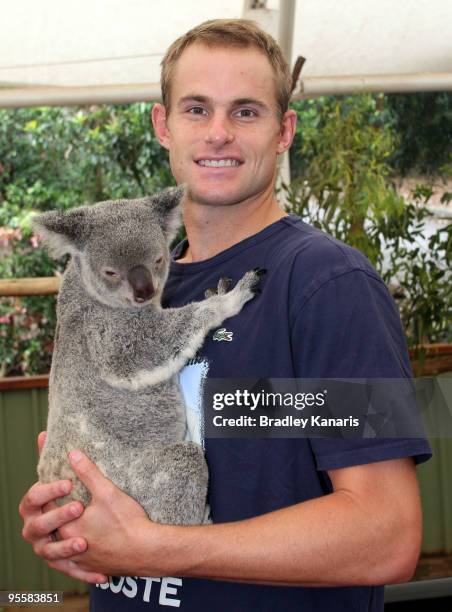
(166, 205)
(63, 232)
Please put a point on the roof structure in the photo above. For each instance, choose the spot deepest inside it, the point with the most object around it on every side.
(92, 51)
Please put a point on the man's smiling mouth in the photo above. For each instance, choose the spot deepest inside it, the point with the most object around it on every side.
(218, 163)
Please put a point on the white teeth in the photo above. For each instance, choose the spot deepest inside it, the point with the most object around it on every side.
(218, 163)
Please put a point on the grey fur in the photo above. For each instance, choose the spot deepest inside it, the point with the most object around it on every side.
(113, 390)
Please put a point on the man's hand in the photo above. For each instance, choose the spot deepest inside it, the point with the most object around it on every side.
(42, 517)
(113, 523)
(112, 536)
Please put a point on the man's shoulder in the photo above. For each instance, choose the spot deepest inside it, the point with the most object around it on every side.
(318, 256)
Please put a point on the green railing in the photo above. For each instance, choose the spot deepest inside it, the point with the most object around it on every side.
(23, 414)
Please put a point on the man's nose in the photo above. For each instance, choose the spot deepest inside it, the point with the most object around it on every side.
(140, 280)
(220, 130)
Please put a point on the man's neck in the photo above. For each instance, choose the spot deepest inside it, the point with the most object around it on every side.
(211, 230)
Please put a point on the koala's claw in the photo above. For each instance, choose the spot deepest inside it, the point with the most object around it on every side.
(260, 271)
(210, 292)
(248, 283)
(224, 285)
(222, 288)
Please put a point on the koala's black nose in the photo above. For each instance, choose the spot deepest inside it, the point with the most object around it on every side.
(140, 280)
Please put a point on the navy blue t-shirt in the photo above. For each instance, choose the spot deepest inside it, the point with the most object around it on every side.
(323, 313)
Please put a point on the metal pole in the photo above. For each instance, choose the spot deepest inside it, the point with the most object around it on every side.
(285, 40)
(310, 87)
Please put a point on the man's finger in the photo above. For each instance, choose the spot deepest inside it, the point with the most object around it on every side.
(71, 569)
(41, 494)
(87, 471)
(54, 519)
(50, 506)
(41, 439)
(63, 549)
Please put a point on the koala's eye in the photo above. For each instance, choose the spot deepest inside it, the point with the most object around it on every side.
(111, 273)
(159, 260)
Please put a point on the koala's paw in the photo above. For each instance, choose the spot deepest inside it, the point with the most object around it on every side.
(245, 290)
(248, 284)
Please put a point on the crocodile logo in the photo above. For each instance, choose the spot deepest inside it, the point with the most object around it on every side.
(222, 334)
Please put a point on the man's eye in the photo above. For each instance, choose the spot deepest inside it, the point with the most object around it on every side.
(197, 110)
(247, 112)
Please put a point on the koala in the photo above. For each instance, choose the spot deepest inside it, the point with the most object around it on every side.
(113, 386)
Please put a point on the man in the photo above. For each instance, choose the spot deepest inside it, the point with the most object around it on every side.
(291, 516)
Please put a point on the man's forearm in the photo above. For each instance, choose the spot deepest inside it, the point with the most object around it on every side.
(328, 541)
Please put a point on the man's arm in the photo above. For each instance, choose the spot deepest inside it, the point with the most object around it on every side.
(368, 531)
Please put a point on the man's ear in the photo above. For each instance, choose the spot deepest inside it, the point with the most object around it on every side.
(63, 232)
(166, 205)
(287, 131)
(159, 121)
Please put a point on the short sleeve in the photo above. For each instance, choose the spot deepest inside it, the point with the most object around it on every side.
(349, 327)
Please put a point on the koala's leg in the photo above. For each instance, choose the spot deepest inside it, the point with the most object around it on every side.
(170, 482)
(54, 465)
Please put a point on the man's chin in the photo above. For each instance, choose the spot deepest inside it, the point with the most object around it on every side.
(214, 197)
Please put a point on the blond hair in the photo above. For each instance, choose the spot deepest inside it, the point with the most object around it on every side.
(230, 33)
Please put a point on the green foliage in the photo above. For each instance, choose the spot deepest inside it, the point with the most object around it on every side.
(343, 187)
(420, 122)
(26, 331)
(345, 169)
(63, 157)
(423, 122)
(26, 324)
(342, 159)
(424, 287)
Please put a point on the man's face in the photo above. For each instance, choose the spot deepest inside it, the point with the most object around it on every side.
(223, 132)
